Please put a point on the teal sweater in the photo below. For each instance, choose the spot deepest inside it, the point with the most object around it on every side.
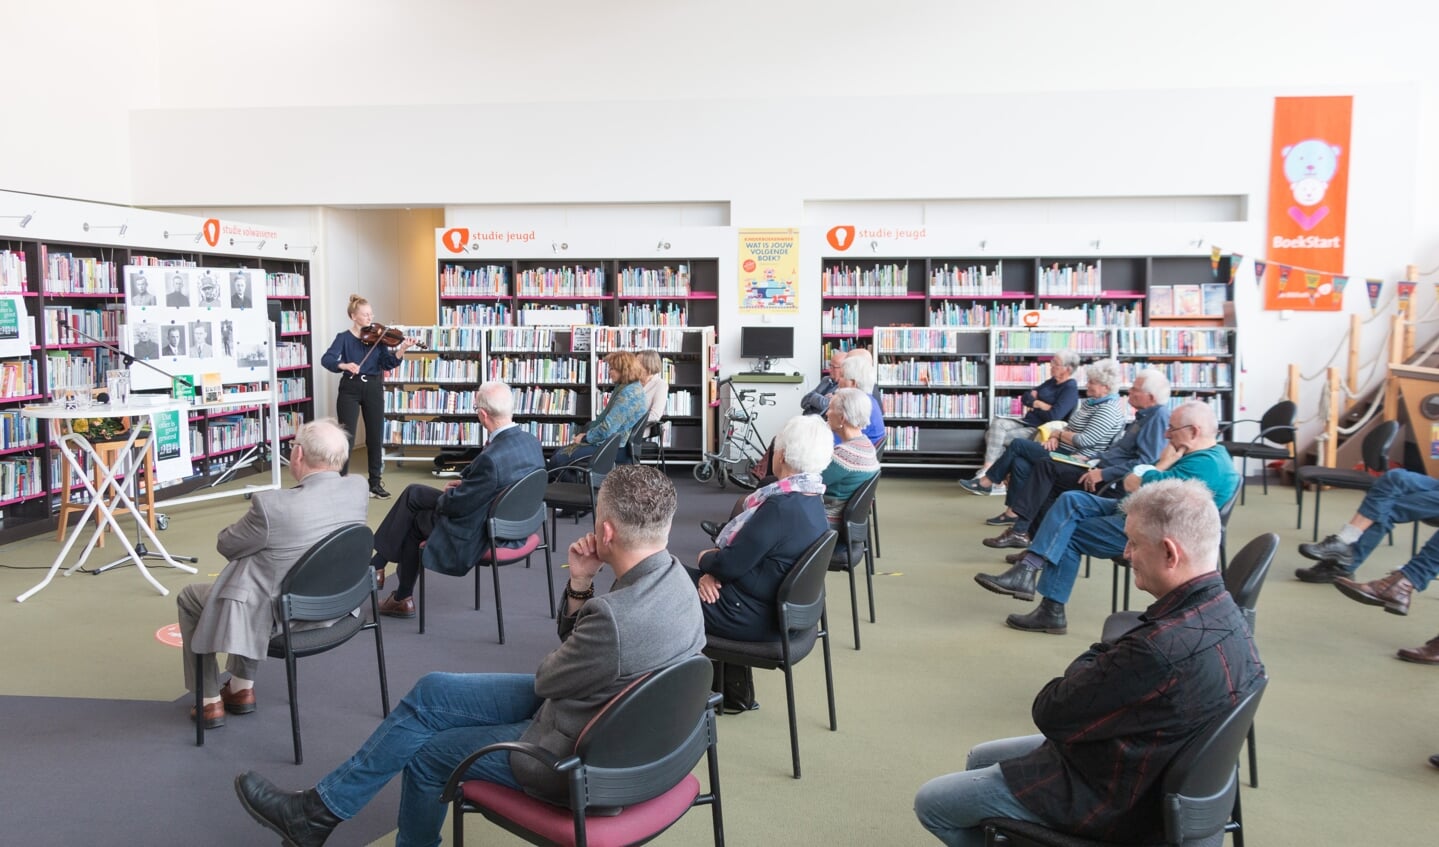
(1213, 467)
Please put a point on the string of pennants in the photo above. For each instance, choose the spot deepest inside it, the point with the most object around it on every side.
(1315, 282)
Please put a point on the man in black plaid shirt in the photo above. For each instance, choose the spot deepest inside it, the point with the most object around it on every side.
(1111, 724)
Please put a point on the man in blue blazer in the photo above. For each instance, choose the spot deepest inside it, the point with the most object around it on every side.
(452, 522)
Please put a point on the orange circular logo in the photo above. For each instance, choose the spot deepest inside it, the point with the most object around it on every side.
(1031, 319)
(169, 634)
(748, 266)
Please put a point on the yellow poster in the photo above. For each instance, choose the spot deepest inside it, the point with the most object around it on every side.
(769, 270)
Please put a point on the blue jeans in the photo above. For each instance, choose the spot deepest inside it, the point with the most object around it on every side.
(1018, 458)
(443, 719)
(952, 806)
(1078, 524)
(1401, 496)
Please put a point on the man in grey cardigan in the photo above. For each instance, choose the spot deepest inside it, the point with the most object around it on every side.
(649, 620)
(236, 614)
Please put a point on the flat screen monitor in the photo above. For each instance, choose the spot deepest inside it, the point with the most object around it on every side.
(766, 342)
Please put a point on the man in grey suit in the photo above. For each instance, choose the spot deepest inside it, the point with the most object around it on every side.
(236, 614)
(649, 620)
(452, 522)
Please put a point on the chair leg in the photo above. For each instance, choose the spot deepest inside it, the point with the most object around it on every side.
(1086, 567)
(1264, 476)
(199, 701)
(420, 598)
(1414, 543)
(854, 605)
(294, 684)
(1237, 816)
(869, 580)
(874, 525)
(1318, 492)
(549, 573)
(380, 655)
(1298, 499)
(499, 607)
(793, 724)
(1253, 760)
(477, 588)
(553, 534)
(828, 669)
(1114, 591)
(1243, 477)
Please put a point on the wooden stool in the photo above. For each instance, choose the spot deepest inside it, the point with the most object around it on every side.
(108, 451)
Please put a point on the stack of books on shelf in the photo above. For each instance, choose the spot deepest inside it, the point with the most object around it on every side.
(428, 401)
(19, 378)
(645, 314)
(101, 323)
(840, 319)
(14, 276)
(157, 262)
(290, 423)
(970, 281)
(902, 438)
(647, 282)
(233, 432)
(1026, 374)
(551, 434)
(284, 285)
(997, 314)
(291, 354)
(1074, 280)
(435, 369)
(291, 321)
(680, 404)
(522, 340)
(69, 274)
(475, 314)
(17, 431)
(1159, 341)
(560, 371)
(1040, 341)
(916, 340)
(949, 373)
(488, 281)
(20, 477)
(908, 404)
(292, 388)
(1206, 375)
(563, 282)
(881, 281)
(545, 401)
(661, 339)
(433, 433)
(457, 339)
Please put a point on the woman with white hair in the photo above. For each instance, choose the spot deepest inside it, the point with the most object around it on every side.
(1052, 400)
(740, 577)
(854, 459)
(1096, 423)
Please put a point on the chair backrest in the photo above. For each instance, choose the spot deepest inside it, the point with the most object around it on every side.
(603, 460)
(1377, 445)
(1200, 783)
(649, 736)
(880, 445)
(800, 599)
(854, 520)
(332, 578)
(1228, 508)
(637, 435)
(519, 511)
(1277, 423)
(1245, 576)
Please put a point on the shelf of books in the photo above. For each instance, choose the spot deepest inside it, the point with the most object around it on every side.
(686, 354)
(934, 391)
(1199, 362)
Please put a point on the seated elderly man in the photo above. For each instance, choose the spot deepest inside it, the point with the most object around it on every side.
(858, 371)
(1140, 444)
(855, 460)
(817, 400)
(1121, 712)
(739, 578)
(1082, 524)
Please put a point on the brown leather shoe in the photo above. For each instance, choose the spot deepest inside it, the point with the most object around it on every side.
(1426, 655)
(238, 702)
(394, 608)
(1392, 592)
(1434, 760)
(214, 714)
(1013, 558)
(379, 578)
(1009, 539)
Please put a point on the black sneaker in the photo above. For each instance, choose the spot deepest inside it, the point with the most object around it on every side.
(378, 492)
(1330, 550)
(1324, 572)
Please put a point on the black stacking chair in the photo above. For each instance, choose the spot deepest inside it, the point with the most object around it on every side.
(331, 580)
(1200, 790)
(853, 547)
(516, 514)
(647, 442)
(1274, 442)
(634, 758)
(1244, 580)
(802, 621)
(577, 499)
(1376, 461)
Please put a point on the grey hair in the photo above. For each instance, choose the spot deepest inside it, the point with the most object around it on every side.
(325, 444)
(1198, 414)
(496, 398)
(1067, 359)
(853, 405)
(1181, 510)
(806, 443)
(860, 370)
(1156, 383)
(639, 502)
(1105, 372)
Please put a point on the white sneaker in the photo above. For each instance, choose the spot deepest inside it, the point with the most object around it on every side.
(998, 489)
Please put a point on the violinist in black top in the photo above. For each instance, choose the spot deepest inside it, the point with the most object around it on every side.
(362, 369)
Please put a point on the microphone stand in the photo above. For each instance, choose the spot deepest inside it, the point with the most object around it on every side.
(161, 521)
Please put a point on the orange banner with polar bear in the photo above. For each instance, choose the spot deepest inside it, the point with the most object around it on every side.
(1308, 201)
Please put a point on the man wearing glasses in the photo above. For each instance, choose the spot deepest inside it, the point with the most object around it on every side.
(1083, 524)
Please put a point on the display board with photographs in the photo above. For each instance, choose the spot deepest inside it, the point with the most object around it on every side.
(192, 321)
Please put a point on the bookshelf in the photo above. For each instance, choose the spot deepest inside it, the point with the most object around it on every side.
(686, 353)
(66, 284)
(935, 390)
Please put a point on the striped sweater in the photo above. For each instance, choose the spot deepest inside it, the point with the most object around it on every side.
(1094, 426)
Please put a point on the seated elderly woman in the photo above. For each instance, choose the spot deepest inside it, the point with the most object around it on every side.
(1052, 400)
(1095, 424)
(854, 457)
(740, 577)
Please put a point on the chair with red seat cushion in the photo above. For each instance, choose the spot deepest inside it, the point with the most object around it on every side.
(517, 514)
(632, 762)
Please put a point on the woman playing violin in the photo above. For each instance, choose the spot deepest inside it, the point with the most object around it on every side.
(361, 355)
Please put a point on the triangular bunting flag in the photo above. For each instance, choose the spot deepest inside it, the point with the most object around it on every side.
(1406, 290)
(1259, 268)
(1234, 262)
(1339, 283)
(1311, 284)
(1373, 287)
(1214, 254)
(1284, 277)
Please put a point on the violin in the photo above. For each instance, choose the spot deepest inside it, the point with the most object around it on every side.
(387, 335)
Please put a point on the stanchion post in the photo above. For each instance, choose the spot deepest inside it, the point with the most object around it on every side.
(1396, 356)
(1331, 421)
(1354, 339)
